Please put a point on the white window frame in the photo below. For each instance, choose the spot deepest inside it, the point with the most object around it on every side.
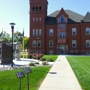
(34, 43)
(51, 52)
(33, 32)
(88, 52)
(50, 32)
(36, 18)
(40, 32)
(74, 43)
(40, 19)
(51, 43)
(87, 31)
(87, 43)
(62, 16)
(73, 31)
(33, 19)
(39, 43)
(62, 34)
(36, 32)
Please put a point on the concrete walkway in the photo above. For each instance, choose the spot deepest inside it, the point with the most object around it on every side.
(60, 77)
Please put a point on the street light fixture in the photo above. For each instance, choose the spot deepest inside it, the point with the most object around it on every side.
(12, 28)
(38, 44)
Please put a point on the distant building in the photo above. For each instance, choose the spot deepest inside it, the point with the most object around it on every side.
(62, 32)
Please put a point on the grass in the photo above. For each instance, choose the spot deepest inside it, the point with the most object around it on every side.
(9, 81)
(54, 57)
(81, 68)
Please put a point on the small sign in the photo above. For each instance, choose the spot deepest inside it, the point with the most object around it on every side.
(20, 74)
(27, 70)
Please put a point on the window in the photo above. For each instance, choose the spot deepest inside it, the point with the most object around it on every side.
(36, 8)
(36, 32)
(33, 9)
(62, 19)
(40, 32)
(34, 43)
(62, 26)
(62, 34)
(73, 43)
(40, 8)
(39, 43)
(50, 43)
(87, 52)
(33, 19)
(34, 51)
(87, 31)
(36, 19)
(39, 18)
(33, 32)
(73, 31)
(51, 32)
(87, 43)
(51, 52)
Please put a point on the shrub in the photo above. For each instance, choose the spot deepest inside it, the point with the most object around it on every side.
(31, 64)
(38, 56)
(44, 63)
(50, 60)
(29, 55)
(41, 55)
(21, 56)
(43, 59)
(36, 62)
(25, 56)
(34, 57)
(34, 54)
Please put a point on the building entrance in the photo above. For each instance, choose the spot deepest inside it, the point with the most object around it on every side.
(62, 49)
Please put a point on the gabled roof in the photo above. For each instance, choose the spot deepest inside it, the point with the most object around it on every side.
(73, 16)
(87, 17)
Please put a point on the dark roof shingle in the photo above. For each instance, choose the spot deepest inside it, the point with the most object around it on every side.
(73, 17)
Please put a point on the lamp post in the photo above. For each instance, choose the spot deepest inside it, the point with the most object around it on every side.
(12, 28)
(38, 44)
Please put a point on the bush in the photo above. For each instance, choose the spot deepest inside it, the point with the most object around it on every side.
(36, 62)
(50, 60)
(34, 54)
(21, 56)
(30, 56)
(25, 56)
(31, 64)
(44, 63)
(43, 59)
(38, 56)
(41, 55)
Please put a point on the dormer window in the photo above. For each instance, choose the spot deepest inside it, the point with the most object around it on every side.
(62, 19)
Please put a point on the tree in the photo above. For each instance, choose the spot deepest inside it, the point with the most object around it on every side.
(18, 37)
(26, 42)
(5, 36)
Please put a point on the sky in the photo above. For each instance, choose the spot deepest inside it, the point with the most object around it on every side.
(17, 11)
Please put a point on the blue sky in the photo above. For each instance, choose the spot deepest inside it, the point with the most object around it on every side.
(17, 11)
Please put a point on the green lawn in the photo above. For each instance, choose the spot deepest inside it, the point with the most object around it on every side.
(81, 68)
(9, 81)
(54, 57)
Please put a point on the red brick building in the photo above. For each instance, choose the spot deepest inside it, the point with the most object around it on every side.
(62, 32)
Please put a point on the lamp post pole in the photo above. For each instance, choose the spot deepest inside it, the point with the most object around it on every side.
(38, 44)
(12, 28)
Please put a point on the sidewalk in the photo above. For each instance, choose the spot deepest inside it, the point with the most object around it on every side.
(60, 77)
